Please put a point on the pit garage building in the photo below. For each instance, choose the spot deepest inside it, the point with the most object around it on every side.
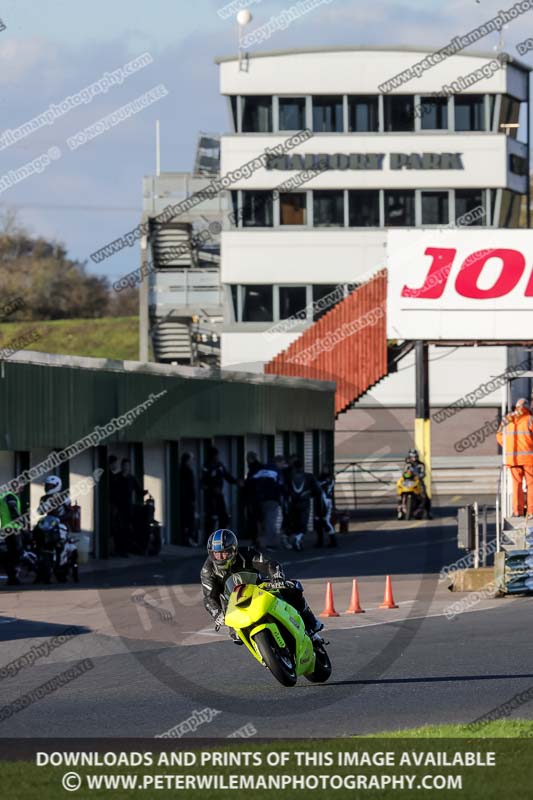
(49, 403)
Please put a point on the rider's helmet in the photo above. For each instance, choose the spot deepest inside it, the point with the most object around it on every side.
(222, 548)
(53, 485)
(412, 455)
(408, 473)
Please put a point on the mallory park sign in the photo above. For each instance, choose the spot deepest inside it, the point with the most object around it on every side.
(370, 161)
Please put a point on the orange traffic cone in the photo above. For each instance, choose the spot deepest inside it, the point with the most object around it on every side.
(388, 599)
(355, 606)
(329, 608)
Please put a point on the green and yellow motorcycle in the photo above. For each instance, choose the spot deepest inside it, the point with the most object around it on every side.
(273, 631)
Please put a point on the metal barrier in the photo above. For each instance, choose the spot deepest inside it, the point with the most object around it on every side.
(367, 481)
(186, 288)
(358, 485)
(514, 567)
(468, 532)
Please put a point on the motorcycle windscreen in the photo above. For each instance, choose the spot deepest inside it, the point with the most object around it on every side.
(238, 579)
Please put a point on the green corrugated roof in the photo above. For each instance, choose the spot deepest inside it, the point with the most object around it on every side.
(52, 401)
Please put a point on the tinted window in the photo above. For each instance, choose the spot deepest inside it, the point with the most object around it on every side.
(234, 112)
(257, 209)
(399, 112)
(234, 216)
(257, 304)
(493, 123)
(328, 208)
(435, 208)
(363, 113)
(292, 299)
(468, 201)
(325, 296)
(291, 113)
(469, 112)
(257, 114)
(400, 208)
(510, 210)
(433, 113)
(364, 208)
(509, 115)
(327, 114)
(234, 295)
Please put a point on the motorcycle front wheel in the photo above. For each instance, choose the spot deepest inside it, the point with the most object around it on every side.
(409, 506)
(279, 663)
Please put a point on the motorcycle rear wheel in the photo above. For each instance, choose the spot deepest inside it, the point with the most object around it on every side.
(276, 661)
(322, 670)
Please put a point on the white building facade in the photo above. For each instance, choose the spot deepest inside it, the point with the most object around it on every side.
(315, 221)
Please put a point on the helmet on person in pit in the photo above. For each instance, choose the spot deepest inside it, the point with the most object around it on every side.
(53, 485)
(222, 548)
(412, 455)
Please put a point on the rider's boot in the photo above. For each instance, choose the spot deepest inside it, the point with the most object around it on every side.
(234, 638)
(312, 624)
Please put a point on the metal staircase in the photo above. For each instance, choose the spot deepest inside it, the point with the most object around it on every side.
(171, 245)
(184, 286)
(347, 345)
(171, 341)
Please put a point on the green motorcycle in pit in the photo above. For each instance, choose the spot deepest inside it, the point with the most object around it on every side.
(273, 631)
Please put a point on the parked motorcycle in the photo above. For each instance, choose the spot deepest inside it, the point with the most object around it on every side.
(56, 551)
(273, 631)
(410, 497)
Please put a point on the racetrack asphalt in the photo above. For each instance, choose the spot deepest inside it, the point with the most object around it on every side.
(156, 658)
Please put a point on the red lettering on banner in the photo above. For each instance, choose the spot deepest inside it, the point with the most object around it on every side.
(529, 287)
(437, 276)
(512, 269)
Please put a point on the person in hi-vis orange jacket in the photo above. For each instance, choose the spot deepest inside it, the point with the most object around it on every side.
(515, 437)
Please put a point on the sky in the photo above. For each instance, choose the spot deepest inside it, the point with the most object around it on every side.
(49, 50)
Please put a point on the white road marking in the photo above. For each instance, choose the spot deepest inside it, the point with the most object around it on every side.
(344, 554)
(207, 632)
(375, 608)
(404, 619)
(211, 632)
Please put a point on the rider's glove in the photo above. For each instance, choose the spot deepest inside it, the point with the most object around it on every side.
(277, 580)
(219, 620)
